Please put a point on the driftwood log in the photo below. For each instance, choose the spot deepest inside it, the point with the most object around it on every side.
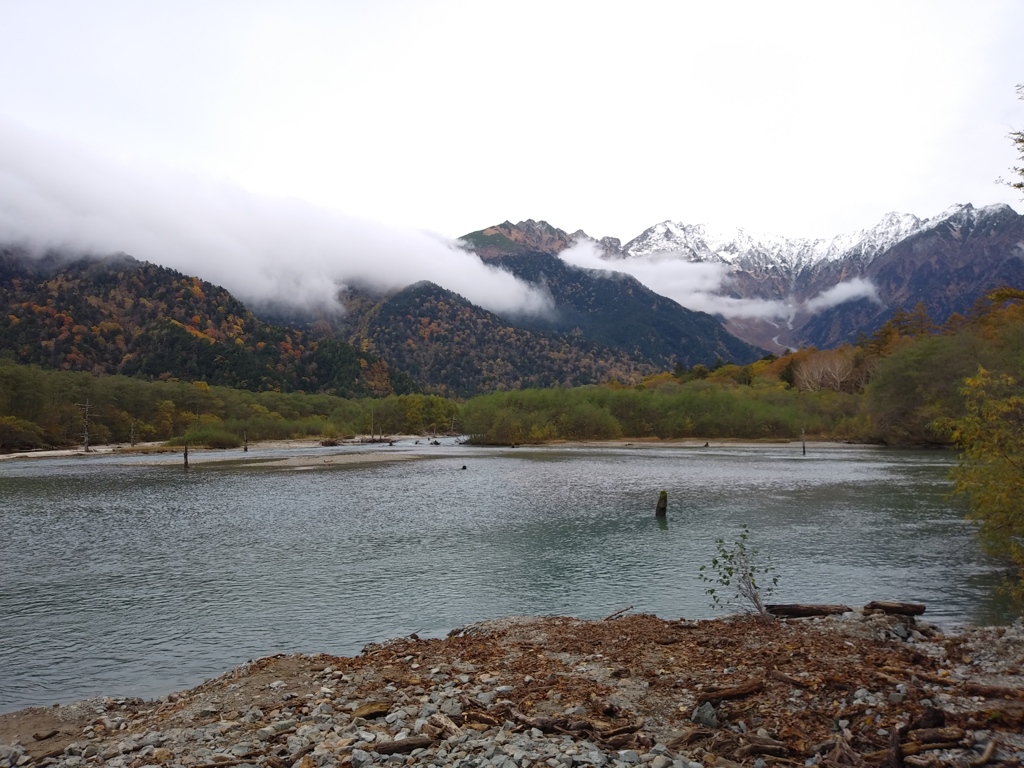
(993, 691)
(782, 677)
(445, 725)
(734, 692)
(803, 610)
(402, 746)
(900, 609)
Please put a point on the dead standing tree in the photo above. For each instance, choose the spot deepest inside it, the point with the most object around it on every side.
(86, 408)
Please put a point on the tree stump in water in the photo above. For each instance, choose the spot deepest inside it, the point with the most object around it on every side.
(662, 509)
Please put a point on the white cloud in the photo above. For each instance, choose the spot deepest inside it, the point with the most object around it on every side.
(694, 285)
(454, 115)
(54, 194)
(858, 288)
(700, 285)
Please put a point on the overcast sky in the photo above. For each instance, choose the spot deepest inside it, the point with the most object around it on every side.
(804, 119)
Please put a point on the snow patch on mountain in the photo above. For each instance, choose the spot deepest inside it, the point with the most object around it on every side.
(765, 254)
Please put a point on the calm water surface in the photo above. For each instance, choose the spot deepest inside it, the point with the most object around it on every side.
(129, 576)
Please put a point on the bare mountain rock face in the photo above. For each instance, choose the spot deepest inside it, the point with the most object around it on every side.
(947, 266)
(831, 290)
(605, 307)
(779, 292)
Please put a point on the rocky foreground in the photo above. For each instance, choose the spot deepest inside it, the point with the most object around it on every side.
(857, 689)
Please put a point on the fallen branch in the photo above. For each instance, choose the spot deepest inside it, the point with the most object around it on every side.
(760, 749)
(984, 757)
(782, 677)
(992, 691)
(766, 741)
(631, 728)
(947, 681)
(936, 735)
(913, 748)
(298, 754)
(689, 736)
(726, 694)
(611, 616)
(550, 724)
(476, 716)
(402, 746)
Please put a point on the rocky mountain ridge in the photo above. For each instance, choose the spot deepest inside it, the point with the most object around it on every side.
(612, 309)
(827, 290)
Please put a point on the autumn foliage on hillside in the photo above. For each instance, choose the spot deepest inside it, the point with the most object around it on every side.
(896, 387)
(456, 348)
(119, 315)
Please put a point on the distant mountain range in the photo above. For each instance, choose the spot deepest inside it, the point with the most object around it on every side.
(121, 315)
(615, 310)
(945, 262)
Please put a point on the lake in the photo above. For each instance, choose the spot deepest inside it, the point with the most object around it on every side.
(128, 576)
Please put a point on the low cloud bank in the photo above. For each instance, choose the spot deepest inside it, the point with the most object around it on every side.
(697, 285)
(858, 288)
(264, 250)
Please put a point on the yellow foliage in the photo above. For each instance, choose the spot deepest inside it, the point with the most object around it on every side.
(991, 469)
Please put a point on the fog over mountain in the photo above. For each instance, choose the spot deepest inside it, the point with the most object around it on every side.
(773, 291)
(54, 195)
(776, 291)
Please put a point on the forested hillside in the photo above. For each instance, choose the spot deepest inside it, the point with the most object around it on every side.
(605, 307)
(898, 387)
(457, 348)
(119, 315)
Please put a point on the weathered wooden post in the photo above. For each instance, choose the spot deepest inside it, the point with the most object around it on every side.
(245, 441)
(662, 509)
(86, 407)
(186, 455)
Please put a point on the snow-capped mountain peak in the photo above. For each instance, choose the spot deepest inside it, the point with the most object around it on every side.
(762, 253)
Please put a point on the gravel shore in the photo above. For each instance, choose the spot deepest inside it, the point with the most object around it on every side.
(857, 689)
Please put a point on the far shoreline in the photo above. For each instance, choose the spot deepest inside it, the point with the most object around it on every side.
(364, 441)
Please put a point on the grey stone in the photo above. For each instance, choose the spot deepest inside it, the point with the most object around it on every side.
(705, 715)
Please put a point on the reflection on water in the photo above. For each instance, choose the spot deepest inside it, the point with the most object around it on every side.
(125, 577)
